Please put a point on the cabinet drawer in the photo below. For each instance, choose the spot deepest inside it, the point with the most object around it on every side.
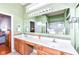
(67, 53)
(21, 47)
(38, 47)
(29, 43)
(16, 44)
(52, 51)
(27, 49)
(40, 52)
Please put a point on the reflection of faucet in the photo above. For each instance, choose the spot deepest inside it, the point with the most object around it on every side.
(39, 36)
(54, 40)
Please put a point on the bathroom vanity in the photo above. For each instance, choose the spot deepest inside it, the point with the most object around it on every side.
(22, 47)
(24, 44)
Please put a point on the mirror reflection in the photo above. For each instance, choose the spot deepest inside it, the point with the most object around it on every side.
(52, 23)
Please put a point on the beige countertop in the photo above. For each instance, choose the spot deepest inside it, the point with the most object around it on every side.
(50, 35)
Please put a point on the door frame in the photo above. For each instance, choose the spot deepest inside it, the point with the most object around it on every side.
(12, 30)
(30, 25)
(31, 21)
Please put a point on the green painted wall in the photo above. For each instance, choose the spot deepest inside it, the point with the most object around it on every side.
(26, 23)
(56, 18)
(16, 10)
(41, 18)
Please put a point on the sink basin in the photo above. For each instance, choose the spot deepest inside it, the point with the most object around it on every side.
(58, 44)
(47, 38)
(30, 36)
(48, 43)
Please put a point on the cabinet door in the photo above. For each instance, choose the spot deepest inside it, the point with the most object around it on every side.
(67, 53)
(16, 44)
(9, 40)
(40, 52)
(21, 47)
(52, 51)
(27, 49)
(38, 47)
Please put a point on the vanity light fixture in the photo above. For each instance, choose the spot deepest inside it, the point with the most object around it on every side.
(39, 23)
(48, 9)
(73, 20)
(41, 12)
(44, 10)
(30, 14)
(59, 25)
(43, 24)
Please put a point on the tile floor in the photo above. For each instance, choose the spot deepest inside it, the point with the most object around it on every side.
(16, 53)
(4, 49)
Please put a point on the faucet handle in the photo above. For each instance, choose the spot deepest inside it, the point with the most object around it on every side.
(54, 40)
(39, 36)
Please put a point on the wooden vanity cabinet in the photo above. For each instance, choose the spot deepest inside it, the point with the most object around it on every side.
(21, 47)
(38, 47)
(65, 53)
(16, 44)
(27, 49)
(42, 50)
(52, 51)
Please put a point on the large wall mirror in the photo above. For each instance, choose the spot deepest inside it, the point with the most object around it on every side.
(53, 23)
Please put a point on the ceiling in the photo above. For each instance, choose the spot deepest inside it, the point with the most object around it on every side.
(25, 4)
(56, 13)
(33, 7)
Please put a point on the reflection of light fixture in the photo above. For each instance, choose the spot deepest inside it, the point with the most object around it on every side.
(43, 24)
(73, 20)
(59, 25)
(39, 23)
(18, 28)
(27, 29)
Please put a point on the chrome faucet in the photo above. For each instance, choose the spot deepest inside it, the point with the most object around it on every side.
(54, 40)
